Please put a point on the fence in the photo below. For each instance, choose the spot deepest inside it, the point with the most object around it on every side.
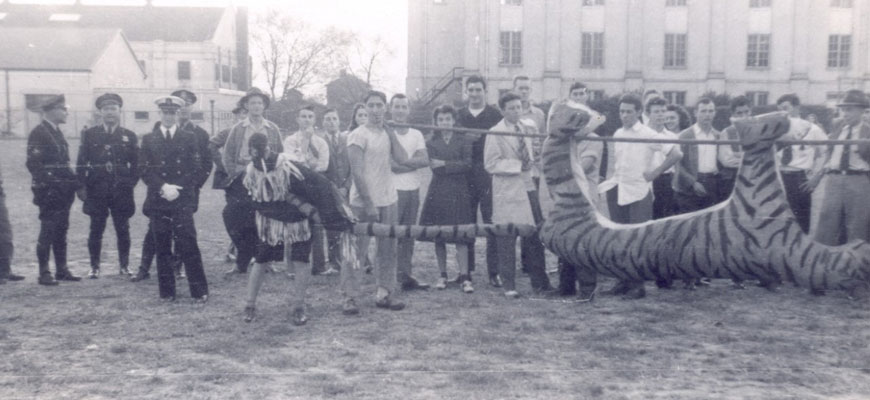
(17, 123)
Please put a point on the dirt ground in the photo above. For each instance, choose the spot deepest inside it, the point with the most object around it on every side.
(112, 339)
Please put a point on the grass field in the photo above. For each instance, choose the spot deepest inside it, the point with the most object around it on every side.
(112, 339)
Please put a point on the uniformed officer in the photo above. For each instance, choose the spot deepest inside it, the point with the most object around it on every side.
(170, 163)
(106, 166)
(202, 137)
(54, 186)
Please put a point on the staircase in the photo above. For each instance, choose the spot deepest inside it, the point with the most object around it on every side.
(443, 83)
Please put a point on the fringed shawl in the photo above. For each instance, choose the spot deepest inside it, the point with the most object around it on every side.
(274, 186)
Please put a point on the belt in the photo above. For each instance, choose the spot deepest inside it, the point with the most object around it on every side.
(846, 172)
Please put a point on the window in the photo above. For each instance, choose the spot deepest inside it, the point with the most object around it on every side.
(197, 116)
(841, 3)
(839, 51)
(678, 98)
(511, 2)
(759, 3)
(675, 3)
(758, 51)
(593, 2)
(511, 46)
(217, 72)
(141, 115)
(596, 95)
(757, 98)
(236, 75)
(225, 73)
(675, 50)
(592, 50)
(184, 70)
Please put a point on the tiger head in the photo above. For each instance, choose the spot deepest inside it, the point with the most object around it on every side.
(761, 129)
(569, 121)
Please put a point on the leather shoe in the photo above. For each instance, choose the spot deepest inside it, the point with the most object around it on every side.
(168, 299)
(66, 276)
(389, 304)
(413, 284)
(349, 307)
(495, 281)
(250, 314)
(123, 271)
(299, 317)
(13, 278)
(201, 300)
(46, 280)
(140, 276)
(94, 274)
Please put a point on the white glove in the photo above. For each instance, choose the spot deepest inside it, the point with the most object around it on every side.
(169, 191)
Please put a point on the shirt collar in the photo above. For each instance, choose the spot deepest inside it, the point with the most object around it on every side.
(699, 131)
(52, 124)
(106, 128)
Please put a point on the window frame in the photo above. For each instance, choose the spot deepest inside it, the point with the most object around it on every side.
(188, 67)
(676, 3)
(842, 59)
(676, 97)
(672, 50)
(755, 52)
(514, 48)
(760, 3)
(592, 50)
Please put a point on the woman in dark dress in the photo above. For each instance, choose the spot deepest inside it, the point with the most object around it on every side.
(448, 201)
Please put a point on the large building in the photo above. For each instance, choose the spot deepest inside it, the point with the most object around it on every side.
(683, 48)
(138, 52)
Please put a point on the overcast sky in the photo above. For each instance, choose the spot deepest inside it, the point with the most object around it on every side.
(385, 18)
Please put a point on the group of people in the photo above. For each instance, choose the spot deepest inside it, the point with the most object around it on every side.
(271, 181)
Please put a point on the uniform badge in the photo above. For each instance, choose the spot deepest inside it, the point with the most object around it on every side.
(125, 139)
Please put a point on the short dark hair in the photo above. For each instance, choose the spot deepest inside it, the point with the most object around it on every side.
(685, 118)
(655, 101)
(375, 93)
(649, 92)
(520, 78)
(444, 109)
(307, 108)
(239, 110)
(475, 79)
(633, 100)
(397, 96)
(791, 98)
(739, 101)
(506, 98)
(704, 100)
(330, 110)
(575, 86)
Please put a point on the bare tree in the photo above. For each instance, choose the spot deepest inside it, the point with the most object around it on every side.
(293, 54)
(367, 58)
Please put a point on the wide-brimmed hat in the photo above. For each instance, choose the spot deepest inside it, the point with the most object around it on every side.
(58, 101)
(254, 92)
(854, 98)
(185, 95)
(109, 98)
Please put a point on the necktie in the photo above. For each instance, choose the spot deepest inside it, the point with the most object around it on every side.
(524, 152)
(787, 155)
(844, 159)
(168, 136)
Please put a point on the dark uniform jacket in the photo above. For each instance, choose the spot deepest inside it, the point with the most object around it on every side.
(54, 182)
(107, 166)
(202, 139)
(338, 170)
(177, 161)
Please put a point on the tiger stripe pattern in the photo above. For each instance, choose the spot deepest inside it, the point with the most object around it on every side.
(752, 235)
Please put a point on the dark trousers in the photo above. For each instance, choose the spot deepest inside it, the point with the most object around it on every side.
(166, 225)
(95, 238)
(53, 228)
(240, 223)
(6, 246)
(480, 190)
(688, 202)
(799, 200)
(571, 275)
(727, 178)
(664, 204)
(149, 252)
(632, 213)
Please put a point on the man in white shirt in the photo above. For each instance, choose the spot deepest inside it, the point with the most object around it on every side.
(664, 204)
(797, 163)
(731, 155)
(373, 197)
(629, 190)
(696, 185)
(647, 96)
(312, 150)
(406, 178)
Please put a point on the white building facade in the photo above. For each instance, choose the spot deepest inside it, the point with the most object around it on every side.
(683, 48)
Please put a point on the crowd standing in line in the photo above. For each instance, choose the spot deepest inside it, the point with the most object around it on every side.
(374, 166)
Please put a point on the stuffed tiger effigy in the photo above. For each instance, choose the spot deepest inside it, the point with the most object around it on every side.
(752, 235)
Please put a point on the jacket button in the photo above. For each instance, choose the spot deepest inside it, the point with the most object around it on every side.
(164, 174)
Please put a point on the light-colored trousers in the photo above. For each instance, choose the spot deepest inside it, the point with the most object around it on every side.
(843, 205)
(385, 260)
